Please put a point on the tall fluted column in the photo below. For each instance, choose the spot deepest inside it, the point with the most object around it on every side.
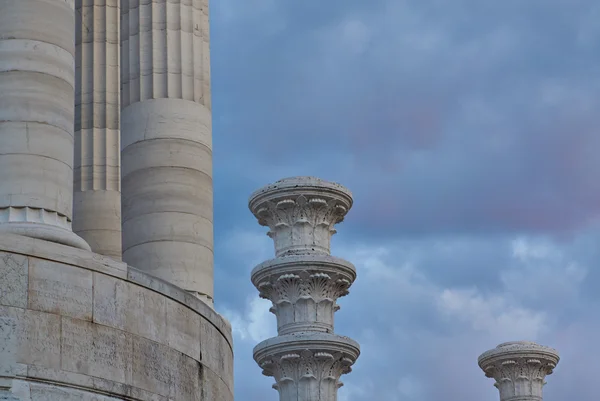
(519, 369)
(303, 283)
(37, 48)
(97, 175)
(166, 147)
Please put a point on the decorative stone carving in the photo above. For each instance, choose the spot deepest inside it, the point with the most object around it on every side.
(304, 282)
(304, 290)
(307, 366)
(519, 369)
(301, 213)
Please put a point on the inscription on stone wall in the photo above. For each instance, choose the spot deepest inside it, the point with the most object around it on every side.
(38, 336)
(216, 353)
(151, 366)
(13, 279)
(96, 350)
(60, 289)
(129, 307)
(183, 329)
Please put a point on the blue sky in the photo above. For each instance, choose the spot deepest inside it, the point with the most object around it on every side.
(468, 132)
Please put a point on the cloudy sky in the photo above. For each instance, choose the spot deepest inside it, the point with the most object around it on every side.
(468, 133)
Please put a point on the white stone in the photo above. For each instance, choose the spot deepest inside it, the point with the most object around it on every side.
(519, 369)
(60, 288)
(304, 290)
(307, 366)
(36, 119)
(304, 282)
(97, 176)
(166, 146)
(14, 275)
(8, 351)
(301, 213)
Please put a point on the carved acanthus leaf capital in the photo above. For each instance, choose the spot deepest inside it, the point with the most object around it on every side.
(301, 213)
(304, 290)
(307, 365)
(519, 368)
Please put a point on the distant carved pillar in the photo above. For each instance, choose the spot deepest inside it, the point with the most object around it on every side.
(303, 283)
(37, 48)
(97, 175)
(166, 143)
(519, 369)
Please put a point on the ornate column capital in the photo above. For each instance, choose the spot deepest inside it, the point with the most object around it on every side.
(301, 213)
(304, 290)
(304, 282)
(307, 366)
(519, 369)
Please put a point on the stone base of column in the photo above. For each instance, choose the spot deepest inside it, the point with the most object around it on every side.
(41, 224)
(307, 366)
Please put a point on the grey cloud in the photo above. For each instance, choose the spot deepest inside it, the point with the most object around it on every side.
(490, 107)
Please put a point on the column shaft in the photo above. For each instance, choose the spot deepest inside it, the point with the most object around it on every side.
(166, 147)
(37, 49)
(97, 176)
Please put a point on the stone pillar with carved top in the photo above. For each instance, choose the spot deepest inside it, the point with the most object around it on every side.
(303, 283)
(37, 77)
(519, 369)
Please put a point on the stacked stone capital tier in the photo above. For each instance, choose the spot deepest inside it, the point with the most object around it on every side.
(519, 369)
(301, 213)
(304, 290)
(303, 283)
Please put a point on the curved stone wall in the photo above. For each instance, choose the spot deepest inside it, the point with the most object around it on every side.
(92, 328)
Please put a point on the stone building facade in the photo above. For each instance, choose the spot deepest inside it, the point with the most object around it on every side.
(97, 305)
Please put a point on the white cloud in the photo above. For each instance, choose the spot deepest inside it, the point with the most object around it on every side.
(256, 323)
(494, 315)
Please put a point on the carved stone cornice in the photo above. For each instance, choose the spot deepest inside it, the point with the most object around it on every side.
(307, 366)
(301, 213)
(304, 290)
(519, 369)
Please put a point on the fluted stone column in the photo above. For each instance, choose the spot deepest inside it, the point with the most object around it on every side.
(97, 175)
(519, 369)
(37, 48)
(303, 283)
(166, 142)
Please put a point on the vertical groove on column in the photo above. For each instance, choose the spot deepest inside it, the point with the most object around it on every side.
(124, 30)
(197, 51)
(187, 72)
(175, 63)
(146, 50)
(97, 206)
(167, 145)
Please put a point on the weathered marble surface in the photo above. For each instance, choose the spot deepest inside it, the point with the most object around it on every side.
(36, 119)
(304, 282)
(97, 175)
(108, 329)
(166, 144)
(304, 290)
(519, 369)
